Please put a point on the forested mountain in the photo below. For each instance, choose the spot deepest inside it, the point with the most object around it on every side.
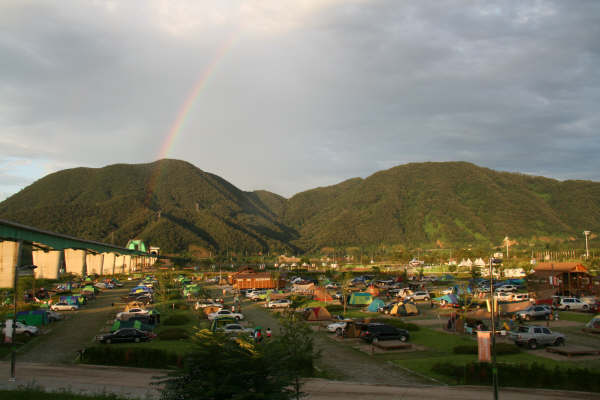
(175, 205)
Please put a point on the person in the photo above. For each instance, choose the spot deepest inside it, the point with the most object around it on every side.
(257, 335)
(268, 332)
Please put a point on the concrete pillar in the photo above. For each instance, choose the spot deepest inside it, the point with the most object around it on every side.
(119, 264)
(108, 264)
(127, 264)
(9, 258)
(94, 263)
(75, 262)
(47, 262)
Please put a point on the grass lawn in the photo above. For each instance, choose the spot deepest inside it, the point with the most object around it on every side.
(440, 349)
(576, 316)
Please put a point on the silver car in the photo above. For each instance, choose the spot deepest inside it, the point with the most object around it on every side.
(534, 336)
(534, 312)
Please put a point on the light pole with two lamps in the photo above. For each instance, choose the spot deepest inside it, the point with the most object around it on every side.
(493, 261)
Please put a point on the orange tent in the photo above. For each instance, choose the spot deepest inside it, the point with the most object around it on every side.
(373, 290)
(321, 294)
(317, 314)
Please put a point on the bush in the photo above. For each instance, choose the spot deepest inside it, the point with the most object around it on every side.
(335, 308)
(175, 296)
(130, 356)
(177, 319)
(522, 375)
(501, 349)
(173, 334)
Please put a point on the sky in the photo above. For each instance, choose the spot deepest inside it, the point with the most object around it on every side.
(290, 95)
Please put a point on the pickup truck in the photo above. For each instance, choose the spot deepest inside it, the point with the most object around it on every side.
(534, 336)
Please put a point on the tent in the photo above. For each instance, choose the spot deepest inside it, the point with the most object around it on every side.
(404, 309)
(448, 299)
(360, 299)
(321, 294)
(375, 305)
(373, 291)
(317, 314)
(593, 326)
(36, 318)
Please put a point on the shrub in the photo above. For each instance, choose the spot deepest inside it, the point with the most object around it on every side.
(501, 349)
(335, 308)
(177, 319)
(522, 375)
(174, 296)
(173, 334)
(130, 356)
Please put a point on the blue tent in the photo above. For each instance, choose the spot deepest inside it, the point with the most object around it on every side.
(448, 298)
(375, 305)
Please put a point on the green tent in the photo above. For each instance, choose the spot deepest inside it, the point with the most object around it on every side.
(375, 305)
(360, 299)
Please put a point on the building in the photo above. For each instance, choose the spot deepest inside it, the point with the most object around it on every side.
(247, 278)
(566, 278)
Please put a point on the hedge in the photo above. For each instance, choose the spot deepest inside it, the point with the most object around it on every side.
(501, 349)
(130, 356)
(173, 334)
(177, 319)
(522, 375)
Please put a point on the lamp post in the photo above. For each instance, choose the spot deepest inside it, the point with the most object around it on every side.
(493, 261)
(587, 250)
(13, 357)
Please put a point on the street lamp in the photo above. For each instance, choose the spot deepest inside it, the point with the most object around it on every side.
(587, 250)
(13, 357)
(493, 261)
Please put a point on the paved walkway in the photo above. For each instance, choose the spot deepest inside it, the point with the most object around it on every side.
(137, 383)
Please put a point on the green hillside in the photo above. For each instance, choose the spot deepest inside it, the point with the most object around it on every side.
(173, 204)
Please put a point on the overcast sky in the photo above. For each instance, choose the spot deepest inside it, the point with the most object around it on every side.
(296, 94)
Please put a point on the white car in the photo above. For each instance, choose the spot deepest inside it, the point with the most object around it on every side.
(235, 328)
(337, 327)
(205, 304)
(64, 307)
(507, 288)
(420, 296)
(283, 303)
(23, 329)
(504, 296)
(572, 303)
(131, 312)
(225, 313)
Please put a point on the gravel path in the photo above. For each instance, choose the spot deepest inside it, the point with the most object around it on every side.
(77, 331)
(340, 360)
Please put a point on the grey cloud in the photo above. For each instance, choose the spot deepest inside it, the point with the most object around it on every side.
(354, 87)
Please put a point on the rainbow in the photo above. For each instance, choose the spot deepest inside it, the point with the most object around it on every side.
(183, 112)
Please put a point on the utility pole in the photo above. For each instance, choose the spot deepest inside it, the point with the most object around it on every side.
(493, 311)
(587, 250)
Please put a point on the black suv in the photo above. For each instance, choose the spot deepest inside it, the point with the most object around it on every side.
(374, 332)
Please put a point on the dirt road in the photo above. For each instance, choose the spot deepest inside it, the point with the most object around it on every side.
(77, 331)
(339, 360)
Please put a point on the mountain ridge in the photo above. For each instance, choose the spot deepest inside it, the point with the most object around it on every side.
(176, 205)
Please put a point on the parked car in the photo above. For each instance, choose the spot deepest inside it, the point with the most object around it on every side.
(448, 291)
(507, 288)
(572, 303)
(205, 304)
(533, 312)
(337, 327)
(282, 303)
(504, 296)
(255, 295)
(54, 316)
(22, 328)
(131, 312)
(374, 332)
(62, 306)
(332, 285)
(235, 328)
(520, 296)
(534, 336)
(420, 295)
(225, 313)
(125, 335)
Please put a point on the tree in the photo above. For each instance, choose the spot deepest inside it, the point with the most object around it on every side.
(219, 368)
